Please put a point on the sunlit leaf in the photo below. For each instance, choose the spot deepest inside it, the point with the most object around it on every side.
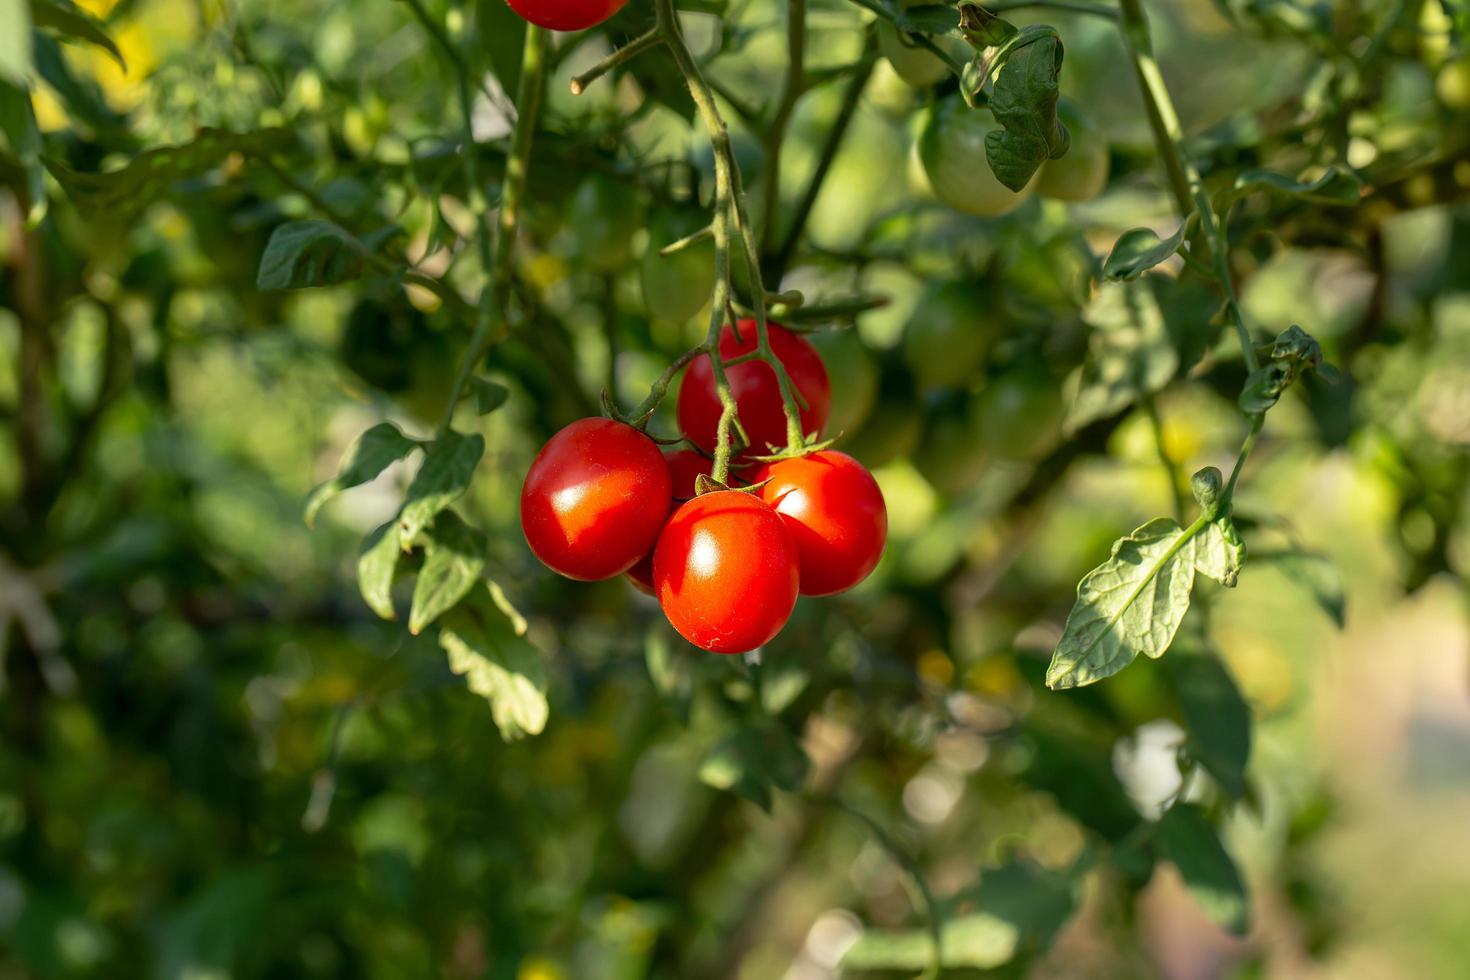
(369, 455)
(1130, 604)
(454, 556)
(498, 663)
(376, 566)
(1219, 552)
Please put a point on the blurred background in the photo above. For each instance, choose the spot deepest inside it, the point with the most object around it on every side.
(217, 762)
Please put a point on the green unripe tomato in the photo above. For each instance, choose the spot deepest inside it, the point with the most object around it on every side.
(1082, 172)
(677, 286)
(1019, 414)
(913, 62)
(602, 217)
(951, 455)
(854, 376)
(1452, 84)
(951, 148)
(948, 335)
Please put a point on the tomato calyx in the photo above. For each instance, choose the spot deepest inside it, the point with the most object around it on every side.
(707, 484)
(805, 448)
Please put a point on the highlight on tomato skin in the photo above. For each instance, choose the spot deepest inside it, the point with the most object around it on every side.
(566, 15)
(835, 512)
(756, 390)
(595, 499)
(725, 572)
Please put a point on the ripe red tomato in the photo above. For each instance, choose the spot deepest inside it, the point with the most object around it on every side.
(684, 466)
(595, 499)
(757, 394)
(566, 15)
(725, 572)
(834, 510)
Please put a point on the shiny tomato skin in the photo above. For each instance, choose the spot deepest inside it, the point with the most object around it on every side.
(684, 466)
(595, 498)
(566, 15)
(835, 512)
(757, 394)
(725, 572)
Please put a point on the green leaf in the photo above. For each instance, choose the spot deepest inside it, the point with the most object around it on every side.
(1335, 186)
(1025, 104)
(448, 466)
(1130, 604)
(1188, 839)
(488, 395)
(316, 253)
(1130, 353)
(370, 454)
(1079, 774)
(1215, 715)
(18, 123)
(69, 21)
(454, 557)
(15, 42)
(1138, 250)
(984, 29)
(118, 195)
(1219, 552)
(1263, 387)
(498, 663)
(1318, 575)
(977, 941)
(376, 565)
(756, 759)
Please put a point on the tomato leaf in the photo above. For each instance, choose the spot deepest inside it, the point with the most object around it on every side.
(453, 560)
(370, 454)
(1025, 104)
(301, 254)
(1216, 717)
(1130, 604)
(1186, 837)
(1219, 552)
(1138, 250)
(488, 395)
(377, 564)
(448, 466)
(69, 21)
(754, 760)
(1130, 353)
(490, 650)
(15, 42)
(984, 29)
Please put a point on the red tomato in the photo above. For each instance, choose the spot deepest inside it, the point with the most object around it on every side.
(757, 395)
(725, 572)
(684, 466)
(834, 510)
(595, 499)
(566, 15)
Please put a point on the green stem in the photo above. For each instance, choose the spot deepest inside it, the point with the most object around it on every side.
(1184, 177)
(776, 132)
(627, 52)
(1227, 499)
(496, 256)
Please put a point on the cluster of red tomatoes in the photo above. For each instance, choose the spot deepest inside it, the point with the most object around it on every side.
(601, 499)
